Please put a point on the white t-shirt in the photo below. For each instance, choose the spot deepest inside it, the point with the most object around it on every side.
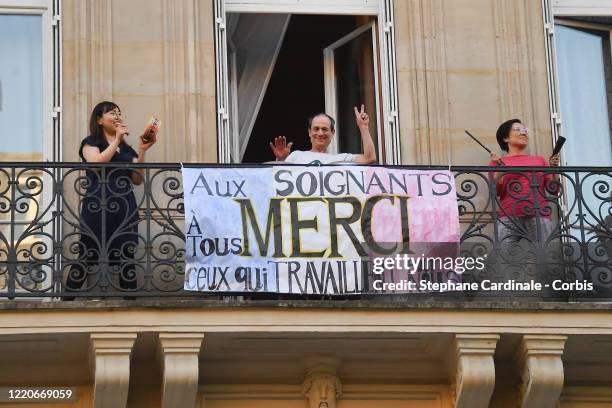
(308, 157)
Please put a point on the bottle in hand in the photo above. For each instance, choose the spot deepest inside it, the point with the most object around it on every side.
(151, 130)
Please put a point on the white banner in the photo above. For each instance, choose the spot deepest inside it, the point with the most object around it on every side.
(307, 230)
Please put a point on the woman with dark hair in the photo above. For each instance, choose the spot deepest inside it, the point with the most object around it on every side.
(524, 212)
(109, 214)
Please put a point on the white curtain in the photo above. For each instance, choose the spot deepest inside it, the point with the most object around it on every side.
(254, 41)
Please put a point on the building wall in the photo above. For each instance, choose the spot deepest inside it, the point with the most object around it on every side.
(467, 64)
(151, 58)
(388, 356)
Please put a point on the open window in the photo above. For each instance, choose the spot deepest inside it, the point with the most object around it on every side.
(280, 63)
(253, 45)
(579, 57)
(585, 87)
(351, 79)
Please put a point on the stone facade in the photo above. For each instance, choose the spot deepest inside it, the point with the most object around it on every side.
(151, 58)
(468, 64)
(457, 69)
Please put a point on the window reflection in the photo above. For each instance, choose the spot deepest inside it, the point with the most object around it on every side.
(584, 103)
(21, 85)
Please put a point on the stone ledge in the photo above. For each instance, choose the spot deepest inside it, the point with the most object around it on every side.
(301, 304)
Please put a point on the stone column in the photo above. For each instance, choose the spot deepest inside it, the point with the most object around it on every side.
(475, 369)
(111, 357)
(322, 386)
(542, 370)
(180, 352)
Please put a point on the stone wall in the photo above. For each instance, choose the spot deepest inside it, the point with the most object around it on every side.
(467, 64)
(151, 58)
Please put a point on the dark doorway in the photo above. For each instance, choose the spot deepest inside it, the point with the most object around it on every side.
(296, 89)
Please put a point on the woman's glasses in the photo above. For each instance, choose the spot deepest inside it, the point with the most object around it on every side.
(521, 129)
(116, 113)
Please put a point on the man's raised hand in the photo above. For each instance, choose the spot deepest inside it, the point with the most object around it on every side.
(280, 148)
(361, 117)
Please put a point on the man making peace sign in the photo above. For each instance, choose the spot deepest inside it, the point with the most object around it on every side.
(321, 130)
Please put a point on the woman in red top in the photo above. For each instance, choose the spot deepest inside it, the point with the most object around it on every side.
(524, 211)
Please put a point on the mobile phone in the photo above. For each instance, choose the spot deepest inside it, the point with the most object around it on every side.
(560, 141)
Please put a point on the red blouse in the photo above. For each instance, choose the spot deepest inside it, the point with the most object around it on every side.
(516, 192)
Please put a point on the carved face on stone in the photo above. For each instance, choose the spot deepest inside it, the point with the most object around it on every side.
(322, 393)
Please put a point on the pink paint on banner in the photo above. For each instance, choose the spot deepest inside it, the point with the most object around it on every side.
(432, 205)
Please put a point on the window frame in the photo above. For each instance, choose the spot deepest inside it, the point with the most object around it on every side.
(581, 8)
(603, 29)
(50, 79)
(331, 105)
(387, 73)
(583, 24)
(50, 12)
(553, 12)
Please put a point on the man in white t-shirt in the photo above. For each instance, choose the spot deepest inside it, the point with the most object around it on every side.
(321, 130)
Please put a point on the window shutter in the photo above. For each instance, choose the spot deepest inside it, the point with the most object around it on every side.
(222, 81)
(389, 83)
(56, 113)
(551, 68)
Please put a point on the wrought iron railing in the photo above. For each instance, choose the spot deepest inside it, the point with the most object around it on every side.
(71, 229)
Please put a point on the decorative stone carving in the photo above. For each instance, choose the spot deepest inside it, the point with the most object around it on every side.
(475, 369)
(542, 370)
(180, 353)
(111, 358)
(322, 387)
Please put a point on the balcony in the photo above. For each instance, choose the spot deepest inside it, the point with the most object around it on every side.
(42, 255)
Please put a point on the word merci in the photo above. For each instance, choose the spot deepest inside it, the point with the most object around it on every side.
(346, 199)
(268, 240)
